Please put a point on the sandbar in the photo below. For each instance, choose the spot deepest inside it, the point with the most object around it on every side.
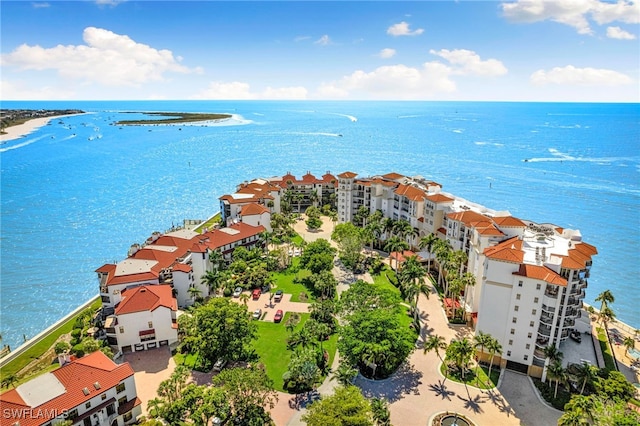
(21, 130)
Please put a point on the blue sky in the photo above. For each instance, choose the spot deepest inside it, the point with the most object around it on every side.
(561, 50)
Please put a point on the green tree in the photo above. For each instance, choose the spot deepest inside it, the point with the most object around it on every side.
(380, 411)
(302, 372)
(494, 347)
(628, 343)
(346, 407)
(442, 250)
(249, 393)
(427, 242)
(318, 256)
(460, 353)
(481, 340)
(411, 280)
(224, 330)
(350, 240)
(363, 296)
(436, 343)
(61, 347)
(551, 353)
(571, 418)
(605, 298)
(584, 373)
(314, 223)
(396, 244)
(583, 406)
(345, 374)
(556, 372)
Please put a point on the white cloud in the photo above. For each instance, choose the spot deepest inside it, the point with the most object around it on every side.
(574, 13)
(23, 91)
(469, 62)
(323, 41)
(392, 82)
(570, 75)
(237, 90)
(402, 29)
(619, 33)
(301, 38)
(106, 58)
(387, 53)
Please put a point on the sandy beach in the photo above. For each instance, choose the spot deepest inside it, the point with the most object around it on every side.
(21, 130)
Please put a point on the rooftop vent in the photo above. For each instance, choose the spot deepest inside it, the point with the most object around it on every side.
(85, 391)
(97, 385)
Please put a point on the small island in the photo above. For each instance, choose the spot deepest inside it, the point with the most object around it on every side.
(175, 118)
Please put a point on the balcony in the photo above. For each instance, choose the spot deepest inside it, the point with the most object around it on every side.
(546, 319)
(551, 292)
(538, 353)
(548, 308)
(544, 330)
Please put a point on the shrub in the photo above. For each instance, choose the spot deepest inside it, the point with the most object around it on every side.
(78, 350)
(227, 292)
(76, 333)
(61, 347)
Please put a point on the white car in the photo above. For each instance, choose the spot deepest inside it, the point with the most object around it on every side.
(257, 314)
(219, 365)
(237, 292)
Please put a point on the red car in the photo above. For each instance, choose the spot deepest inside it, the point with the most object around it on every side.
(256, 294)
(278, 316)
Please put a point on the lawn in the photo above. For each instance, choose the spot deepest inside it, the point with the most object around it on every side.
(188, 360)
(209, 223)
(477, 376)
(271, 347)
(43, 345)
(284, 281)
(385, 280)
(609, 362)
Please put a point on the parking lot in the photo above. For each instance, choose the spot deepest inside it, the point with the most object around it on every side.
(269, 307)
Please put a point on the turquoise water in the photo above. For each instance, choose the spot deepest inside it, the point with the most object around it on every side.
(78, 192)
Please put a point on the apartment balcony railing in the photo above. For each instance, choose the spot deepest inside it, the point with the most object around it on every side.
(569, 322)
(538, 353)
(572, 301)
(548, 308)
(565, 334)
(544, 330)
(546, 319)
(551, 293)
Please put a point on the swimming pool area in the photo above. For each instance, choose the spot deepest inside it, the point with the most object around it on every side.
(634, 353)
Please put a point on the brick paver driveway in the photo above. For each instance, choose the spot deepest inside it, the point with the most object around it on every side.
(270, 307)
(150, 368)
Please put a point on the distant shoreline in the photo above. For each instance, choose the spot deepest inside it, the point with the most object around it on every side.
(21, 130)
(176, 118)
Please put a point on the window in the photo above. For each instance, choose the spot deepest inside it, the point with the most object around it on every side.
(508, 353)
(120, 387)
(519, 283)
(510, 342)
(531, 323)
(526, 357)
(513, 331)
(529, 336)
(122, 401)
(121, 329)
(103, 396)
(518, 296)
(111, 409)
(516, 308)
(72, 414)
(514, 320)
(87, 405)
(127, 416)
(535, 300)
(538, 286)
(533, 312)
(87, 421)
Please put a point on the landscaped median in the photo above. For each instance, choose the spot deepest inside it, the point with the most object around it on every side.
(607, 354)
(476, 376)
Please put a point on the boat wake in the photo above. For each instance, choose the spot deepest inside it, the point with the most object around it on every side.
(350, 117)
(23, 144)
(562, 157)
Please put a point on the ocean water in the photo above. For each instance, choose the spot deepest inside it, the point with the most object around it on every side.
(78, 192)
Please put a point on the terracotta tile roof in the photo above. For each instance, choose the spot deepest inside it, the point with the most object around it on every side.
(383, 182)
(309, 178)
(487, 228)
(542, 273)
(347, 175)
(146, 298)
(509, 251)
(328, 177)
(439, 198)
(410, 192)
(401, 257)
(363, 182)
(442, 231)
(509, 221)
(468, 217)
(217, 238)
(74, 377)
(393, 176)
(253, 209)
(231, 200)
(182, 267)
(578, 256)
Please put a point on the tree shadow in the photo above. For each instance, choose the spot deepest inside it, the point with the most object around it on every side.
(472, 403)
(440, 389)
(302, 400)
(404, 381)
(497, 400)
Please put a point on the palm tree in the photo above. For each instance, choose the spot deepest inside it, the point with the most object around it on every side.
(333, 215)
(552, 354)
(457, 261)
(380, 411)
(468, 280)
(194, 292)
(313, 197)
(411, 280)
(345, 374)
(403, 229)
(629, 343)
(461, 352)
(585, 373)
(9, 380)
(583, 406)
(556, 372)
(442, 250)
(606, 298)
(388, 226)
(427, 242)
(375, 228)
(481, 340)
(606, 316)
(494, 347)
(360, 218)
(396, 244)
(244, 298)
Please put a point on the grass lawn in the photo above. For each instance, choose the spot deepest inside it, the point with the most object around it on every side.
(43, 345)
(479, 372)
(271, 347)
(609, 362)
(284, 282)
(384, 280)
(188, 360)
(209, 224)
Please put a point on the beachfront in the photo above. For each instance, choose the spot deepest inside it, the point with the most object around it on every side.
(29, 126)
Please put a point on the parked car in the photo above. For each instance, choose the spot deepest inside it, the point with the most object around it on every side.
(278, 296)
(257, 314)
(219, 365)
(256, 294)
(278, 316)
(237, 292)
(265, 288)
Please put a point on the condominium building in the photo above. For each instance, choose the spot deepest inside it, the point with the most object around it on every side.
(88, 391)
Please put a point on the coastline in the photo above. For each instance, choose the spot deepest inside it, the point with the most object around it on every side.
(24, 129)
